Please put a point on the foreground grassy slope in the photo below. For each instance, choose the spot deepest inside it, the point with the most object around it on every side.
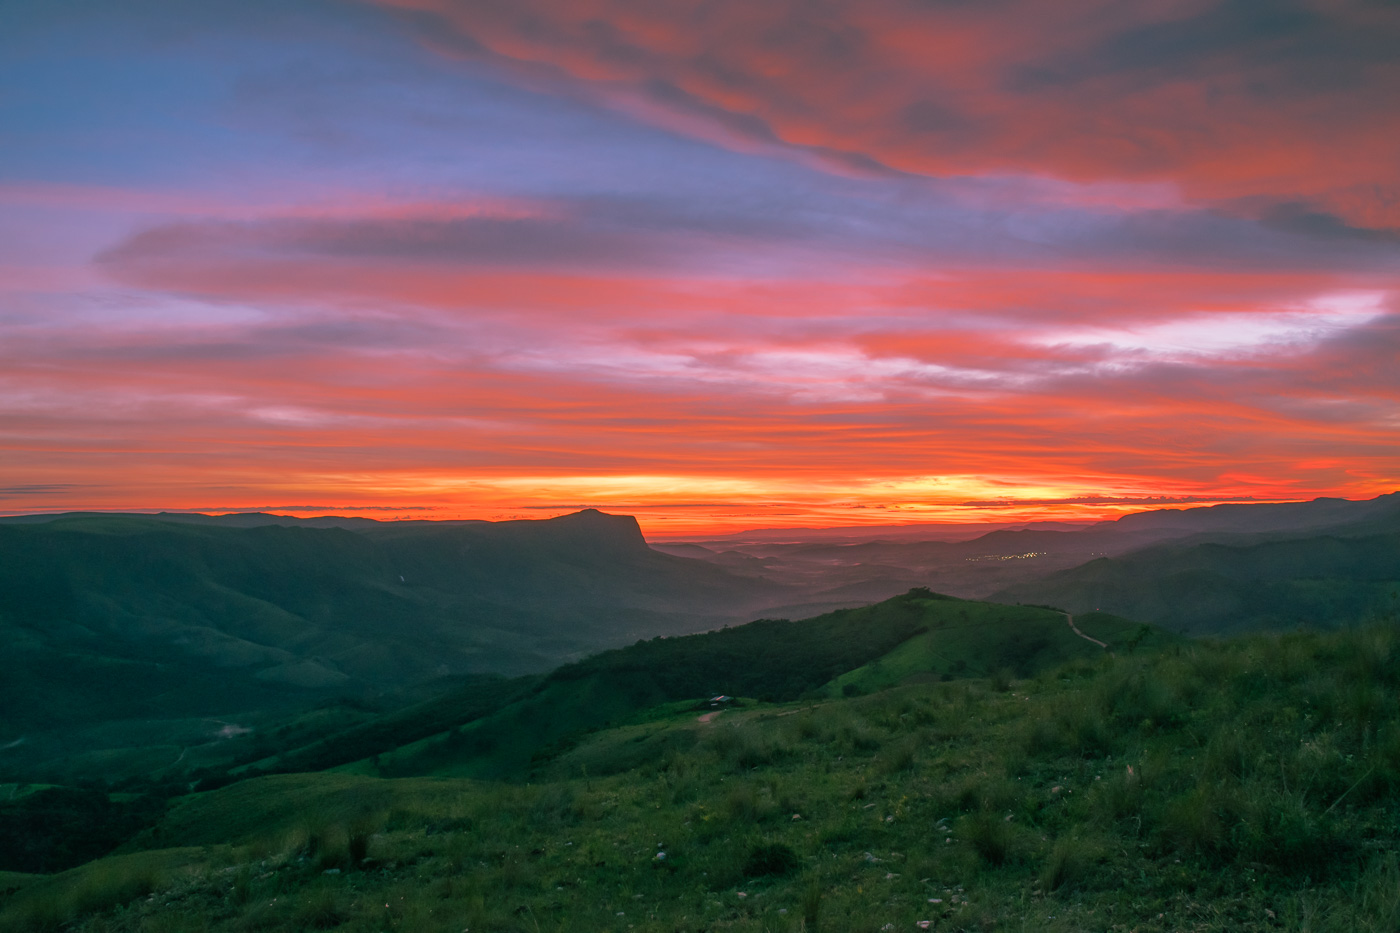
(1248, 785)
(493, 728)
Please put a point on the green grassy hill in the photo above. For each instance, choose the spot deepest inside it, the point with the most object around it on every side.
(920, 635)
(1246, 785)
(498, 728)
(968, 638)
(492, 728)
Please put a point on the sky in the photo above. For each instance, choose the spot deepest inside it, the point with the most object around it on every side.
(715, 263)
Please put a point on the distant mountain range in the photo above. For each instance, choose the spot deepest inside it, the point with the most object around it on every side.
(135, 618)
(1139, 566)
(156, 632)
(1311, 565)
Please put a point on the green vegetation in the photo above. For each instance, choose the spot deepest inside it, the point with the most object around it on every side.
(497, 729)
(136, 642)
(57, 827)
(966, 638)
(920, 635)
(328, 748)
(166, 649)
(1243, 785)
(1238, 583)
(11, 881)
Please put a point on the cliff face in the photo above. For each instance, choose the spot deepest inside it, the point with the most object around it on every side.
(590, 531)
(123, 616)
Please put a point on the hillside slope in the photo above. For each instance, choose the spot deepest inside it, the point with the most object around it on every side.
(132, 618)
(987, 566)
(918, 636)
(1237, 583)
(1238, 786)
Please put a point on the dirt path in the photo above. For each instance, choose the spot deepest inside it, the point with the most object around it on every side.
(1070, 619)
(707, 717)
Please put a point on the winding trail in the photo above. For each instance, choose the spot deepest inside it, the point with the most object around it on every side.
(1070, 619)
(708, 717)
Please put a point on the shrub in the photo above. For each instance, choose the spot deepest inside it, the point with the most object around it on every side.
(901, 756)
(771, 859)
(1280, 831)
(1198, 822)
(989, 835)
(1070, 864)
(1136, 700)
(329, 847)
(1121, 795)
(357, 844)
(855, 735)
(1375, 899)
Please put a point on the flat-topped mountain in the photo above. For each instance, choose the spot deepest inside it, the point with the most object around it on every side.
(111, 618)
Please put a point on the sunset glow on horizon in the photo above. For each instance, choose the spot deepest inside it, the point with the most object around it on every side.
(720, 265)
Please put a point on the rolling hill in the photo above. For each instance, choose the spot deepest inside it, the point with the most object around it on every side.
(1245, 784)
(140, 644)
(917, 636)
(657, 694)
(834, 571)
(1234, 583)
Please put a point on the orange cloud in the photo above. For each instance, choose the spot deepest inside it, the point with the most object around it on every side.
(707, 403)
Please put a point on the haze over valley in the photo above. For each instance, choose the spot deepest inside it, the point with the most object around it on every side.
(130, 631)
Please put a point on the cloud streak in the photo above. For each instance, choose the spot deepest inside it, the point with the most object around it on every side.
(1224, 98)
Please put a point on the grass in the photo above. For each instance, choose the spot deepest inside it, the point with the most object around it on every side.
(57, 901)
(969, 638)
(11, 881)
(917, 636)
(1242, 785)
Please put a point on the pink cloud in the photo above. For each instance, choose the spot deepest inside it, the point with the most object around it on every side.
(1224, 101)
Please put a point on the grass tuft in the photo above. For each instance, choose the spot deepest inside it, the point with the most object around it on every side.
(773, 858)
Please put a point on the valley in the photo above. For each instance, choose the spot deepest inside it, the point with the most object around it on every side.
(261, 723)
